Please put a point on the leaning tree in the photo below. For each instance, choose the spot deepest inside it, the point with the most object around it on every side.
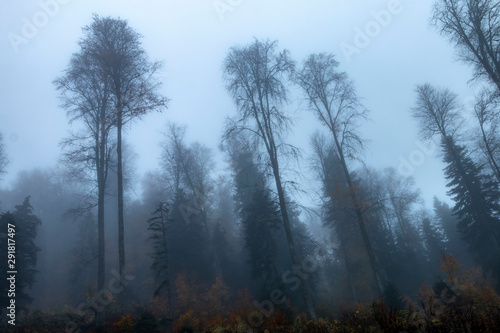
(332, 98)
(474, 27)
(255, 77)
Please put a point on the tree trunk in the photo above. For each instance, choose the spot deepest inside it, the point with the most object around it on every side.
(121, 245)
(291, 247)
(361, 221)
(101, 179)
(167, 273)
(348, 269)
(491, 157)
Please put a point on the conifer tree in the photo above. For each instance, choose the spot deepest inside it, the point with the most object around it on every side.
(448, 223)
(24, 233)
(477, 205)
(158, 225)
(259, 225)
(433, 242)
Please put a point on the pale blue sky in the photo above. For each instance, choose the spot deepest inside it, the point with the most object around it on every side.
(399, 51)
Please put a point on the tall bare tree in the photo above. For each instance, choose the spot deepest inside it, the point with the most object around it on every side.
(86, 96)
(474, 27)
(255, 78)
(332, 97)
(402, 197)
(117, 48)
(188, 171)
(189, 168)
(487, 111)
(438, 112)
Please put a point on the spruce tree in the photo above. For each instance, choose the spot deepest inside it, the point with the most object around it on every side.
(158, 225)
(259, 226)
(26, 224)
(222, 248)
(433, 242)
(454, 244)
(189, 242)
(477, 206)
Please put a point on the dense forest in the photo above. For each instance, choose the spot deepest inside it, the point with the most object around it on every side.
(205, 250)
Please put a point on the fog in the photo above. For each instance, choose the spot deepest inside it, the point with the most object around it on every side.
(219, 220)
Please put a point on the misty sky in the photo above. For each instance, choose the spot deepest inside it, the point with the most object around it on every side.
(192, 37)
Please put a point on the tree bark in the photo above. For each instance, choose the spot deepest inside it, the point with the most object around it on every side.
(491, 157)
(360, 218)
(101, 184)
(121, 232)
(348, 269)
(306, 294)
(167, 273)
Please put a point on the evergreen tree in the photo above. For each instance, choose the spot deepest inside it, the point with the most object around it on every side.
(392, 297)
(477, 205)
(454, 243)
(305, 242)
(339, 215)
(189, 243)
(84, 251)
(433, 241)
(259, 226)
(158, 225)
(390, 208)
(222, 249)
(26, 224)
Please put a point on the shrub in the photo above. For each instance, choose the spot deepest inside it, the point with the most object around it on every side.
(463, 302)
(125, 324)
(186, 323)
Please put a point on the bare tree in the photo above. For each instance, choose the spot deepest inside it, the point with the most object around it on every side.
(486, 111)
(438, 112)
(188, 173)
(402, 198)
(86, 96)
(332, 97)
(132, 82)
(255, 77)
(189, 168)
(474, 27)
